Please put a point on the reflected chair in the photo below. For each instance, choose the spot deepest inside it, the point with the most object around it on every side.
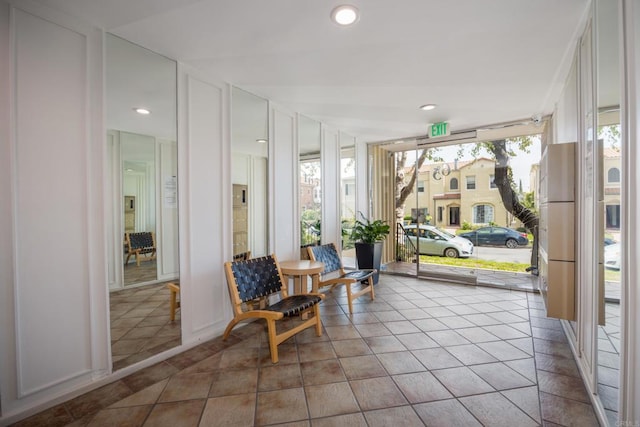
(261, 277)
(334, 273)
(174, 304)
(141, 243)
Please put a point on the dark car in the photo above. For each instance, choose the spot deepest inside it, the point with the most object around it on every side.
(496, 236)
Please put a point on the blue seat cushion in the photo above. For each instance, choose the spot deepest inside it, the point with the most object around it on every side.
(359, 274)
(294, 304)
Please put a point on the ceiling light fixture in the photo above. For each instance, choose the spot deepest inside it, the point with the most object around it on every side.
(142, 111)
(345, 15)
(261, 141)
(427, 107)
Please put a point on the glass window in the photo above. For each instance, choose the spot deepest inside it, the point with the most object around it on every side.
(453, 184)
(613, 175)
(420, 186)
(492, 181)
(482, 214)
(471, 182)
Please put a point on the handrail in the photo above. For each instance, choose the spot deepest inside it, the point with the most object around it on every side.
(406, 251)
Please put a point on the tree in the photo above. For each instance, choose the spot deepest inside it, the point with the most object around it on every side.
(403, 187)
(502, 150)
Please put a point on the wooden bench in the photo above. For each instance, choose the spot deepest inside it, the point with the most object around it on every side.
(260, 277)
(334, 273)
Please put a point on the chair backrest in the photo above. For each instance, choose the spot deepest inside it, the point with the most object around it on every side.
(242, 256)
(254, 278)
(140, 240)
(328, 254)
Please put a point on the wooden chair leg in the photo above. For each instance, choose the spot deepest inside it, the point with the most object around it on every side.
(316, 313)
(373, 294)
(273, 343)
(348, 286)
(230, 326)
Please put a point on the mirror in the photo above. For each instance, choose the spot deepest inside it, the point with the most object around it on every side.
(310, 197)
(348, 200)
(249, 176)
(609, 201)
(143, 226)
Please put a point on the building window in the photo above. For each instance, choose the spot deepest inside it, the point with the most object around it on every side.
(420, 186)
(471, 182)
(346, 189)
(492, 181)
(482, 214)
(453, 184)
(613, 175)
(440, 210)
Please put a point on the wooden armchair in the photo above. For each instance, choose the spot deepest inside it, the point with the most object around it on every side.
(335, 274)
(142, 243)
(261, 277)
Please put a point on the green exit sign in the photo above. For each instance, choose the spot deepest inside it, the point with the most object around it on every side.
(439, 129)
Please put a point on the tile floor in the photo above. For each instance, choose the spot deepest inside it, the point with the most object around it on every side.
(423, 353)
(141, 325)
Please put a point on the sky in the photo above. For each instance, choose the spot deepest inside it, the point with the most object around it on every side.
(520, 164)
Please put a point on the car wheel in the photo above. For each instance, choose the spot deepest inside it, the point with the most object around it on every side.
(511, 244)
(451, 253)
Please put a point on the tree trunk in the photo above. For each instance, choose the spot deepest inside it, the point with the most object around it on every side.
(404, 189)
(504, 182)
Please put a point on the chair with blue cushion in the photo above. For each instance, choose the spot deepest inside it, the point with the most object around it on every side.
(257, 278)
(140, 243)
(334, 273)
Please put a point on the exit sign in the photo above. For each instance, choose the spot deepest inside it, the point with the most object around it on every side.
(439, 129)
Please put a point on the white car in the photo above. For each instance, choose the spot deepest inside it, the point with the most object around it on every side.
(612, 256)
(430, 240)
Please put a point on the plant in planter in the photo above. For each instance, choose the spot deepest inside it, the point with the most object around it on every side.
(368, 237)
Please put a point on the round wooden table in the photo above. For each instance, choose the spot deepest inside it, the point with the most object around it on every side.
(300, 270)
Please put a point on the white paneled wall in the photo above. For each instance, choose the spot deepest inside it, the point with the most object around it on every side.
(330, 186)
(283, 156)
(54, 228)
(205, 199)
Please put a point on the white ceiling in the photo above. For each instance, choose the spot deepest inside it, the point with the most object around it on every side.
(481, 62)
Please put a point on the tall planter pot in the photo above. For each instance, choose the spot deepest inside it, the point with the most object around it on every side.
(369, 255)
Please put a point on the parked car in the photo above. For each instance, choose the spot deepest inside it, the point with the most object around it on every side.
(433, 241)
(496, 236)
(608, 241)
(612, 256)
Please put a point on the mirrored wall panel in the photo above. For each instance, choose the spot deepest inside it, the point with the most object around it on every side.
(143, 226)
(249, 173)
(310, 185)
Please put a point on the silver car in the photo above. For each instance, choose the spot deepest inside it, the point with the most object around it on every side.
(430, 240)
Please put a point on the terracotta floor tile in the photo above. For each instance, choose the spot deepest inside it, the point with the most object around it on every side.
(500, 376)
(350, 420)
(281, 406)
(349, 348)
(330, 399)
(342, 332)
(421, 387)
(502, 350)
(376, 393)
(445, 413)
(400, 416)
(436, 358)
(462, 381)
(146, 396)
(470, 354)
(184, 414)
(56, 416)
(566, 412)
(278, 376)
(186, 387)
(416, 341)
(362, 367)
(372, 330)
(496, 410)
(527, 400)
(388, 316)
(400, 363)
(562, 385)
(148, 376)
(122, 417)
(228, 411)
(235, 381)
(322, 372)
(98, 399)
(557, 364)
(384, 344)
(316, 351)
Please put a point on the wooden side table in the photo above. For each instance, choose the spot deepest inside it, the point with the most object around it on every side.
(300, 270)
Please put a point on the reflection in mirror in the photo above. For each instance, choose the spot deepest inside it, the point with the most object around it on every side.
(609, 200)
(250, 153)
(143, 226)
(348, 202)
(310, 198)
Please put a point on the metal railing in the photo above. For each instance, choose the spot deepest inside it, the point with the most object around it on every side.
(405, 249)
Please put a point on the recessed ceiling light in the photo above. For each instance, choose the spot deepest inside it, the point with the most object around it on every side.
(142, 111)
(427, 107)
(345, 15)
(261, 141)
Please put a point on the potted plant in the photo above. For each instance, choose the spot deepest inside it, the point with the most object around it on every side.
(368, 237)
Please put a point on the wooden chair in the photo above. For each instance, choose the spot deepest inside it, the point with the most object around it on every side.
(174, 304)
(141, 243)
(335, 274)
(261, 277)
